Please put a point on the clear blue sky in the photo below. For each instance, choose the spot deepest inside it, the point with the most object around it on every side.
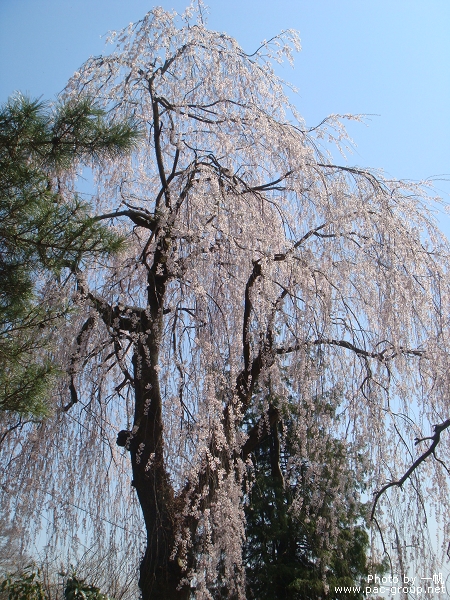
(389, 58)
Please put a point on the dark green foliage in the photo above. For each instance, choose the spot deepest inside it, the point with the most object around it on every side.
(77, 589)
(44, 228)
(29, 585)
(289, 555)
(26, 586)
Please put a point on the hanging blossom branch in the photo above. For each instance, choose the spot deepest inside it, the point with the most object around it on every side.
(438, 429)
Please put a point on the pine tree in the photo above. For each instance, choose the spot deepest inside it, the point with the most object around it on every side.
(44, 228)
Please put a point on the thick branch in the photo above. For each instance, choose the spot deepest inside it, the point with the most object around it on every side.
(247, 313)
(382, 356)
(116, 317)
(139, 217)
(88, 324)
(157, 128)
(247, 378)
(438, 429)
(260, 431)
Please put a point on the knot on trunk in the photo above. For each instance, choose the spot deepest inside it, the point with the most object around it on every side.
(123, 438)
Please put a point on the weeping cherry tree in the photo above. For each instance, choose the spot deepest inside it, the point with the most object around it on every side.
(258, 272)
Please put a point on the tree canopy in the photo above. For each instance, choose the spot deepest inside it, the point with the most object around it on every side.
(257, 268)
(44, 227)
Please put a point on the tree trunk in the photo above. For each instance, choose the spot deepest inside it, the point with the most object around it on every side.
(160, 574)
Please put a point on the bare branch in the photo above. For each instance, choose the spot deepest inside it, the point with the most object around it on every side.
(438, 429)
(139, 217)
(383, 356)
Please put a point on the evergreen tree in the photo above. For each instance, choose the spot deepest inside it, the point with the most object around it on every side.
(44, 227)
(290, 554)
